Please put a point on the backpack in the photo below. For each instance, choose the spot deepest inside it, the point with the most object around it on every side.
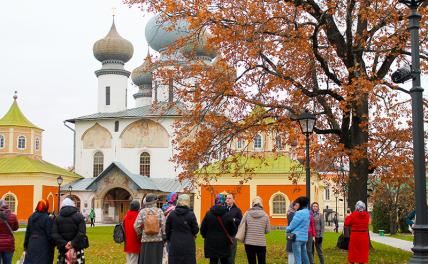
(151, 224)
(119, 233)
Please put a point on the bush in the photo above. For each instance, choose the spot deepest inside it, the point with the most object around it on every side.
(380, 217)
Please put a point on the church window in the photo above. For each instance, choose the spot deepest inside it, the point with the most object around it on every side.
(37, 143)
(1, 141)
(240, 143)
(257, 142)
(11, 201)
(108, 95)
(98, 163)
(21, 142)
(116, 126)
(145, 164)
(278, 204)
(327, 193)
(278, 142)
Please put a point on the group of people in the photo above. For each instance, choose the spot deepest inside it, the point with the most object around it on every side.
(44, 232)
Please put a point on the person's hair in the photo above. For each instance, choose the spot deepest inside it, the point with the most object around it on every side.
(303, 201)
(312, 205)
(135, 205)
(231, 194)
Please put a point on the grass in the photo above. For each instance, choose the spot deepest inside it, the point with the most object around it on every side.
(103, 250)
(403, 236)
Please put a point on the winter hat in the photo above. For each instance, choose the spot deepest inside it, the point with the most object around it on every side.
(135, 205)
(151, 199)
(220, 199)
(67, 202)
(257, 201)
(183, 200)
(360, 206)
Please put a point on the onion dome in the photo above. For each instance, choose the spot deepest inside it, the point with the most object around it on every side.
(199, 47)
(143, 74)
(113, 47)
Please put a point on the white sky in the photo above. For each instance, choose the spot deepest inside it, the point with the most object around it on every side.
(46, 55)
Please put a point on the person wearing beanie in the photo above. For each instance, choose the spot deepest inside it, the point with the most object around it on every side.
(69, 232)
(181, 229)
(257, 226)
(8, 224)
(38, 244)
(358, 221)
(218, 231)
(132, 242)
(152, 243)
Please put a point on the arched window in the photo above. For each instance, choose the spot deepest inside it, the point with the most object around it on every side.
(279, 205)
(240, 143)
(98, 163)
(21, 142)
(1, 141)
(37, 143)
(257, 142)
(11, 201)
(327, 192)
(145, 164)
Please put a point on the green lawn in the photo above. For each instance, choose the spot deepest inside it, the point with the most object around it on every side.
(403, 236)
(103, 250)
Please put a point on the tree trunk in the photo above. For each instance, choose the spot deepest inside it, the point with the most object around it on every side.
(359, 167)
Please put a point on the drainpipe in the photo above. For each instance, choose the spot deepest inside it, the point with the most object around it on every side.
(74, 144)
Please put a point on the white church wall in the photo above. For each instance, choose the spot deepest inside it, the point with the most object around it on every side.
(118, 89)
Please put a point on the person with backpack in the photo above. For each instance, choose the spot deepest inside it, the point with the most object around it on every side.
(181, 230)
(38, 244)
(218, 231)
(132, 242)
(8, 224)
(150, 224)
(69, 234)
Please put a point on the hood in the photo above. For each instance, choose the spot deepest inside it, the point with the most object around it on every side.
(67, 210)
(181, 210)
(360, 215)
(131, 215)
(256, 212)
(37, 215)
(218, 210)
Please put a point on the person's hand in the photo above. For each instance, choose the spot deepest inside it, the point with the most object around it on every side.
(68, 245)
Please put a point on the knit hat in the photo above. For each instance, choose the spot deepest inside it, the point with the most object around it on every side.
(220, 199)
(257, 201)
(67, 202)
(135, 205)
(183, 200)
(360, 206)
(151, 199)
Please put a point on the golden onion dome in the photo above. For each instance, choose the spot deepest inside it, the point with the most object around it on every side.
(143, 74)
(113, 47)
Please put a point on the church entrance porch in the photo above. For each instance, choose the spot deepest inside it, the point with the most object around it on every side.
(115, 205)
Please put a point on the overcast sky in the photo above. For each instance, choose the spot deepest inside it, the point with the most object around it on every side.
(46, 55)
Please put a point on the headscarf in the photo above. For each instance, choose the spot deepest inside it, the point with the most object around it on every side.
(220, 199)
(171, 200)
(360, 206)
(135, 205)
(183, 200)
(42, 206)
(67, 202)
(150, 199)
(257, 201)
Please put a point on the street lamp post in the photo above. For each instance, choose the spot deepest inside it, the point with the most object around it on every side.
(420, 244)
(307, 124)
(59, 181)
(70, 188)
(336, 195)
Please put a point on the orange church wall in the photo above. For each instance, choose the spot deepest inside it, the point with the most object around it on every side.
(240, 192)
(53, 199)
(266, 192)
(24, 195)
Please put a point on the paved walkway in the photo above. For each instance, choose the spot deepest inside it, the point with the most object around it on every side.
(393, 242)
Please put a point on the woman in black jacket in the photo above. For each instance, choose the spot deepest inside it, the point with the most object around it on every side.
(181, 229)
(217, 244)
(69, 232)
(38, 244)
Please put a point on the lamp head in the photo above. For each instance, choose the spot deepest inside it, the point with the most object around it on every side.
(59, 180)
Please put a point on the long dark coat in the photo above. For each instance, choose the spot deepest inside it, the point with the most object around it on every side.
(181, 229)
(69, 225)
(38, 242)
(216, 243)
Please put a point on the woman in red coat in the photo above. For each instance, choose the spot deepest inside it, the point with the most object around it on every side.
(358, 221)
(132, 242)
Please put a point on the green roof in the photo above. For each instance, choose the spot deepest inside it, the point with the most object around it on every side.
(14, 117)
(24, 164)
(255, 165)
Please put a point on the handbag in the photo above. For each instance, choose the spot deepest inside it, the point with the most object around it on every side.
(290, 237)
(242, 229)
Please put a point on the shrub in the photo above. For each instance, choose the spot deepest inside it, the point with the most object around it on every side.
(380, 217)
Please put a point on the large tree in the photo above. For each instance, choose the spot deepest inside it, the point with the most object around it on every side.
(332, 57)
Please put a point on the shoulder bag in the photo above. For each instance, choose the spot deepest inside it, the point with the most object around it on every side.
(290, 237)
(242, 229)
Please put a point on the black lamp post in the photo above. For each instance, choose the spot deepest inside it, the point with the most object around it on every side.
(420, 244)
(307, 124)
(70, 188)
(59, 180)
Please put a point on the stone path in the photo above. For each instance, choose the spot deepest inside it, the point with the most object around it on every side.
(393, 242)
